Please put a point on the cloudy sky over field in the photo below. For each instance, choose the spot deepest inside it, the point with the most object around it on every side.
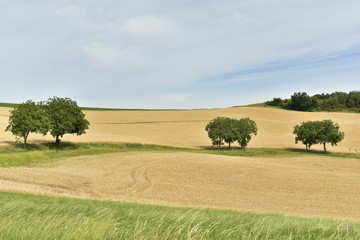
(177, 53)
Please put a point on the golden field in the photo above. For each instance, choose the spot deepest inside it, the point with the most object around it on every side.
(319, 186)
(305, 186)
(186, 128)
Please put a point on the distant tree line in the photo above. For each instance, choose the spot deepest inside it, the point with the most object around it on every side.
(57, 116)
(337, 101)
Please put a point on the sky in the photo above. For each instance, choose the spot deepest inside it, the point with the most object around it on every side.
(177, 54)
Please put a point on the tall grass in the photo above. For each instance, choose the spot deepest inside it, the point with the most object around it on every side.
(24, 216)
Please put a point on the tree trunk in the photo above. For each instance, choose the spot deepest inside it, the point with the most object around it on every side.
(25, 139)
(324, 146)
(229, 145)
(57, 141)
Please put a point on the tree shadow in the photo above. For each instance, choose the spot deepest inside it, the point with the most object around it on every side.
(222, 148)
(309, 151)
(61, 146)
(43, 146)
(264, 150)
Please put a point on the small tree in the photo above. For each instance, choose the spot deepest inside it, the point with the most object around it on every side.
(328, 132)
(230, 130)
(215, 129)
(306, 133)
(28, 118)
(65, 117)
(275, 102)
(246, 128)
(318, 132)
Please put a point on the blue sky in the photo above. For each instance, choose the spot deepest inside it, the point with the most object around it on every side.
(177, 53)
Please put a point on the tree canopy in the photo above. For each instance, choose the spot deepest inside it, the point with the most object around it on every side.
(229, 130)
(65, 117)
(318, 132)
(336, 101)
(301, 101)
(28, 118)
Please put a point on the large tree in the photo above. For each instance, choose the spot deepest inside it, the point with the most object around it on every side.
(28, 118)
(318, 132)
(65, 117)
(229, 130)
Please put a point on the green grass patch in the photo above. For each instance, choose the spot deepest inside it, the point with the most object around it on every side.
(255, 105)
(274, 152)
(25, 216)
(17, 155)
(10, 105)
(127, 109)
(13, 105)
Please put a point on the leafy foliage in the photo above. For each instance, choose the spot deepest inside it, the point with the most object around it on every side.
(28, 118)
(337, 101)
(229, 130)
(65, 117)
(302, 102)
(318, 132)
(245, 128)
(278, 102)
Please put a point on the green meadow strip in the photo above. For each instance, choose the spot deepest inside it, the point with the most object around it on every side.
(10, 105)
(17, 155)
(25, 216)
(119, 123)
(128, 109)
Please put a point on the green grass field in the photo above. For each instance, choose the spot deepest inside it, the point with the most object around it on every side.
(17, 155)
(11, 105)
(25, 216)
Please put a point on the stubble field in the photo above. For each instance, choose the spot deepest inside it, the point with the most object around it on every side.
(296, 185)
(186, 128)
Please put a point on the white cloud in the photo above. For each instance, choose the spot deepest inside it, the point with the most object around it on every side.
(148, 26)
(175, 97)
(111, 56)
(102, 54)
(74, 14)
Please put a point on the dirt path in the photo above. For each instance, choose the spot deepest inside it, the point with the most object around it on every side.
(307, 186)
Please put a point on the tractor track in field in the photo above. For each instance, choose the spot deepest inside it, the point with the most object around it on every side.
(307, 186)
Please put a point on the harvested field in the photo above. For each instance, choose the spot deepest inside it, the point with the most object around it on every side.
(307, 186)
(186, 128)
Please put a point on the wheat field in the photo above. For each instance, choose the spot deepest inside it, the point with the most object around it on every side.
(318, 186)
(187, 128)
(305, 186)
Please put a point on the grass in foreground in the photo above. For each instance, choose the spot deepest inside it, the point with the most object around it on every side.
(17, 155)
(25, 216)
